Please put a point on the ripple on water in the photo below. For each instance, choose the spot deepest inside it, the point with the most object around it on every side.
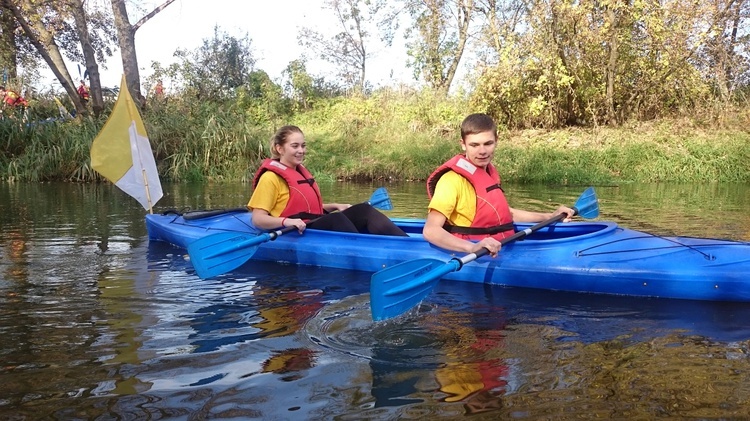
(412, 340)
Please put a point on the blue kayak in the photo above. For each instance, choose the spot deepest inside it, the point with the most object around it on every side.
(589, 257)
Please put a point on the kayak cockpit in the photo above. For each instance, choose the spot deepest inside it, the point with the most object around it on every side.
(569, 230)
(560, 231)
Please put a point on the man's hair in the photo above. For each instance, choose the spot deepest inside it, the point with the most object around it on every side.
(477, 123)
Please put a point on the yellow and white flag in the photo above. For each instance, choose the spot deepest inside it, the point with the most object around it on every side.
(64, 114)
(122, 153)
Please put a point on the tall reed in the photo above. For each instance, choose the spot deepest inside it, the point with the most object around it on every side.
(393, 135)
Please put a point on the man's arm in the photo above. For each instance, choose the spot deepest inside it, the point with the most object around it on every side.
(434, 233)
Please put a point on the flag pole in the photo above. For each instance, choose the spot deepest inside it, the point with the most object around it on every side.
(143, 171)
(148, 192)
(140, 160)
(122, 148)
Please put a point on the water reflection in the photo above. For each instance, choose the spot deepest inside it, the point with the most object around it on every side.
(98, 323)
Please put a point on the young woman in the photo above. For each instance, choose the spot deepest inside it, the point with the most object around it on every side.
(286, 194)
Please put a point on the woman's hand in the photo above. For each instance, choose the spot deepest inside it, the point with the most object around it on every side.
(295, 222)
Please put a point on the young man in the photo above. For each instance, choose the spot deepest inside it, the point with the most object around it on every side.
(468, 210)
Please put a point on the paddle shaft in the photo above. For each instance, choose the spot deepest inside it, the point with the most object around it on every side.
(262, 238)
(457, 263)
(254, 241)
(395, 290)
(517, 236)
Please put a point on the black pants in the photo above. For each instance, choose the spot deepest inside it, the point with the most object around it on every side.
(362, 218)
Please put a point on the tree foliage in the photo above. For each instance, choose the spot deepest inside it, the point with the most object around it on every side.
(304, 89)
(348, 49)
(77, 30)
(215, 70)
(438, 38)
(530, 63)
(556, 63)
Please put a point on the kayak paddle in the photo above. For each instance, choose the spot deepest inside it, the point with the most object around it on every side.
(219, 253)
(395, 290)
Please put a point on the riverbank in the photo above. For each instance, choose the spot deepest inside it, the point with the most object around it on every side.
(393, 139)
(673, 151)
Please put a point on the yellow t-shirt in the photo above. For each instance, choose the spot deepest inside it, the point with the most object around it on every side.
(455, 198)
(271, 194)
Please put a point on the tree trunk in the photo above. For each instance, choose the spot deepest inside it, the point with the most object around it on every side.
(45, 45)
(613, 50)
(126, 40)
(465, 9)
(89, 55)
(8, 45)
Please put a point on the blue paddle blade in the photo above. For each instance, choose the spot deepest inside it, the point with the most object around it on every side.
(588, 204)
(380, 199)
(396, 289)
(220, 253)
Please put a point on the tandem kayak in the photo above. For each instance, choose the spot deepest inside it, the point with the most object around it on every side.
(588, 257)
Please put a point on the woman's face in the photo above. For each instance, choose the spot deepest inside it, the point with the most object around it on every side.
(292, 153)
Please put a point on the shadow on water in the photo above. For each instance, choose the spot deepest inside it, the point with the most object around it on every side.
(596, 317)
(98, 323)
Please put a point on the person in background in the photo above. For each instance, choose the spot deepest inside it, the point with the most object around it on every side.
(468, 210)
(83, 93)
(17, 104)
(159, 90)
(12, 98)
(285, 194)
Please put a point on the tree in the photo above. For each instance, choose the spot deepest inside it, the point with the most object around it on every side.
(126, 40)
(300, 86)
(610, 61)
(264, 100)
(89, 54)
(47, 27)
(305, 89)
(8, 45)
(442, 31)
(35, 19)
(724, 58)
(220, 66)
(347, 49)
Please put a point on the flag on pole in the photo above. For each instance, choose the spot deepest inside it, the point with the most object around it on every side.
(122, 154)
(64, 114)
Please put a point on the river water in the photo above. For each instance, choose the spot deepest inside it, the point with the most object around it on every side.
(99, 324)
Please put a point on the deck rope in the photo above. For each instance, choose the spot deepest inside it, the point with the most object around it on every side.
(585, 252)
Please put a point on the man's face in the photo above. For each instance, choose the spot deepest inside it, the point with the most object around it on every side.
(480, 148)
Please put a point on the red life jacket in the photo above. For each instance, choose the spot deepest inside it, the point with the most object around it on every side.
(304, 194)
(83, 92)
(12, 98)
(493, 217)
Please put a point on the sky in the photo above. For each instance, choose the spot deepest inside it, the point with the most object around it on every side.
(272, 27)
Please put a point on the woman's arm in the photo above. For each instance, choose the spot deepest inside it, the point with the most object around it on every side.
(262, 219)
(332, 207)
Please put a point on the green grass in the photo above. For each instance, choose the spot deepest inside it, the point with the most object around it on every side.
(394, 136)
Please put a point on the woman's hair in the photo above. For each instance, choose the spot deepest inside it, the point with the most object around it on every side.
(280, 138)
(477, 123)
